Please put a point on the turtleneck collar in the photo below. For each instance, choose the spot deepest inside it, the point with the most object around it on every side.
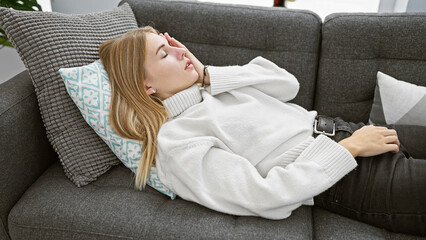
(182, 100)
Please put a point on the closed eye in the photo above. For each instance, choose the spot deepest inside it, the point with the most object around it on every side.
(167, 44)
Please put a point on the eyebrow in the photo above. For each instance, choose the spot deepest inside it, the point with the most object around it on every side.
(162, 45)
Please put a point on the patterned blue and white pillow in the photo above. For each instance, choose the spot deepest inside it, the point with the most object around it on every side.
(90, 90)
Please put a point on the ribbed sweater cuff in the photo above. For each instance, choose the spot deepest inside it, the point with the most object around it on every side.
(336, 160)
(223, 79)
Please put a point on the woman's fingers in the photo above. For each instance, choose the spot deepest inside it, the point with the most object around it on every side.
(169, 39)
(392, 143)
(173, 41)
(392, 139)
(389, 132)
(391, 136)
(393, 148)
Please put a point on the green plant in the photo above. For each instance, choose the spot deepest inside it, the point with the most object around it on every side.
(25, 5)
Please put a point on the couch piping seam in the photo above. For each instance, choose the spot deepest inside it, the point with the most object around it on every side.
(372, 16)
(16, 103)
(256, 8)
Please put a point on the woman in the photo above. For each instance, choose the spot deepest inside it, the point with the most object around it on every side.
(237, 145)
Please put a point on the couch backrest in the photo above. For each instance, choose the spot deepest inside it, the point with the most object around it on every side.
(356, 46)
(221, 35)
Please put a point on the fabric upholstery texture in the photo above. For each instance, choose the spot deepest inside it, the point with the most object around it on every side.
(230, 35)
(90, 89)
(25, 152)
(355, 47)
(47, 41)
(109, 208)
(398, 102)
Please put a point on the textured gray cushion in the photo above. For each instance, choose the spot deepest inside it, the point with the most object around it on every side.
(355, 47)
(53, 208)
(48, 41)
(221, 34)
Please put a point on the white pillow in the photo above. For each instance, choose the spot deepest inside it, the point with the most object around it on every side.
(398, 102)
(90, 90)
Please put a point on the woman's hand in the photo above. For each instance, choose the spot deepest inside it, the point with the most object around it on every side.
(371, 140)
(199, 67)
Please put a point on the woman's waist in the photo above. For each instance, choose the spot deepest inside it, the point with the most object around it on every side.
(259, 145)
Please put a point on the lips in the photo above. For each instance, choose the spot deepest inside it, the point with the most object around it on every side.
(188, 63)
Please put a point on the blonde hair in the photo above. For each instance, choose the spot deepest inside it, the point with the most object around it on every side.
(133, 113)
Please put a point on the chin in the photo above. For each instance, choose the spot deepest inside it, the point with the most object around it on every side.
(195, 78)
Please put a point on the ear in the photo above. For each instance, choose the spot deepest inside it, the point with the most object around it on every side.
(150, 90)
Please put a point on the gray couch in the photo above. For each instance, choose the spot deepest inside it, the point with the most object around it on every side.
(336, 62)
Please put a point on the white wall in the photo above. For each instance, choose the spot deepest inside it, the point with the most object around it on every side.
(10, 62)
(416, 6)
(325, 7)
(393, 5)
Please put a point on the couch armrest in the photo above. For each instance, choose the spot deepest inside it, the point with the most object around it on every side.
(25, 152)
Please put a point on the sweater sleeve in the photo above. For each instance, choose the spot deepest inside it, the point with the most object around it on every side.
(206, 173)
(259, 73)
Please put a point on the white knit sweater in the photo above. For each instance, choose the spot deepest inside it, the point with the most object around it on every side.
(239, 147)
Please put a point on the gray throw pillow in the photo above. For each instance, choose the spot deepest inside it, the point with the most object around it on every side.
(398, 103)
(47, 41)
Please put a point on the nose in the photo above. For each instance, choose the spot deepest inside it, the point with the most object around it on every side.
(180, 52)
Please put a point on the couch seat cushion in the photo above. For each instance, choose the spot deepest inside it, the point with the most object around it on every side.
(109, 208)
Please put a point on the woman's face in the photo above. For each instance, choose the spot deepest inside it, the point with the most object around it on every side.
(166, 68)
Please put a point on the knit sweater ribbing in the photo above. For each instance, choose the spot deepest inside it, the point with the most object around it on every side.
(239, 147)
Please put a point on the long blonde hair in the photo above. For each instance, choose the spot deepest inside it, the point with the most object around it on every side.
(133, 113)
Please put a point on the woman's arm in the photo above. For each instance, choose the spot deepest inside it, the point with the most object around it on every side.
(259, 73)
(206, 173)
